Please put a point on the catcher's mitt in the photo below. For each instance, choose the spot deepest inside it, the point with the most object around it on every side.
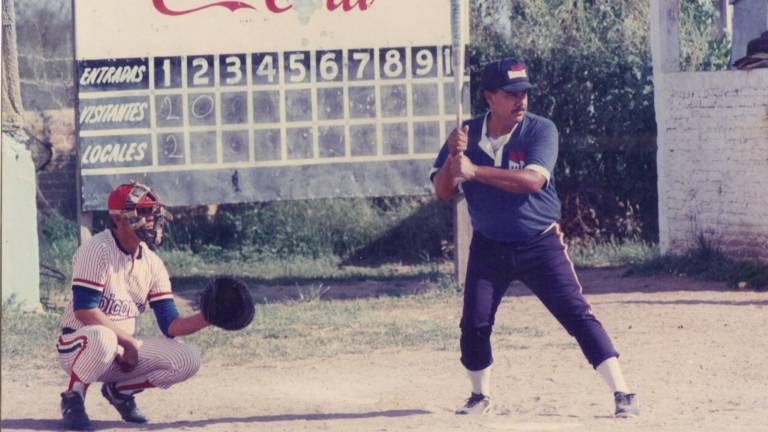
(227, 303)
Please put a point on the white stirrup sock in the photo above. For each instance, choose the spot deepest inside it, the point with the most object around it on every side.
(610, 371)
(80, 388)
(481, 381)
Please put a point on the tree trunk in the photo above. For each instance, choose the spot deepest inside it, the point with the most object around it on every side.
(12, 107)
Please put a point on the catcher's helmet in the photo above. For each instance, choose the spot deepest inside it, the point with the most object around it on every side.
(137, 204)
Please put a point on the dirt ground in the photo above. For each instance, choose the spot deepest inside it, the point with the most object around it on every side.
(695, 352)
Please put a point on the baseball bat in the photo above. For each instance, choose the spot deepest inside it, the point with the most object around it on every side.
(457, 46)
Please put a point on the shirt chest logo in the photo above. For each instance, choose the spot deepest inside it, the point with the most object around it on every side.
(115, 306)
(516, 159)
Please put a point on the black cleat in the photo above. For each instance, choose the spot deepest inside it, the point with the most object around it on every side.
(124, 404)
(73, 412)
(476, 404)
(626, 405)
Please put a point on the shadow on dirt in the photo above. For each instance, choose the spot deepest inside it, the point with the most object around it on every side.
(272, 291)
(56, 425)
(695, 302)
(606, 280)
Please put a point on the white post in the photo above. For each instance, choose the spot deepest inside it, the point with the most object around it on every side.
(665, 51)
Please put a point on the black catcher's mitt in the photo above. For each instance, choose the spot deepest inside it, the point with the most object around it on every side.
(227, 303)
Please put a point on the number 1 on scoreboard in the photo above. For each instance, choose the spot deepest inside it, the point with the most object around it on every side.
(167, 72)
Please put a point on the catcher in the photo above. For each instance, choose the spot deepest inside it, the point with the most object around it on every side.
(115, 275)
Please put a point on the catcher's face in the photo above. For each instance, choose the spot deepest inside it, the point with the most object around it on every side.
(125, 233)
(149, 226)
(507, 108)
(144, 224)
(149, 215)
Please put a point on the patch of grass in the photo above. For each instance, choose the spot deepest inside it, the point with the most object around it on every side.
(279, 332)
(313, 292)
(707, 262)
(611, 253)
(185, 263)
(58, 242)
(28, 338)
(298, 268)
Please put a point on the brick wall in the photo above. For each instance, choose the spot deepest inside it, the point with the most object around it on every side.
(713, 162)
(44, 39)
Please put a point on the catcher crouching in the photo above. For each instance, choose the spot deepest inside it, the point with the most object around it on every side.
(115, 276)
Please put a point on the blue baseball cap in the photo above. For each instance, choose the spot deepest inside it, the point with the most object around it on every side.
(509, 74)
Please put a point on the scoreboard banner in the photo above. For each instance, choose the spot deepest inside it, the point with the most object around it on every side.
(260, 100)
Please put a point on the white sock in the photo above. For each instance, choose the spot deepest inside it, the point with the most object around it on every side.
(610, 371)
(481, 381)
(80, 388)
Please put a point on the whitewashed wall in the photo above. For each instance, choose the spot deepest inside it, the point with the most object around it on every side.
(713, 161)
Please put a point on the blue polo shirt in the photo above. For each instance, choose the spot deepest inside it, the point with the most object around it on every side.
(506, 216)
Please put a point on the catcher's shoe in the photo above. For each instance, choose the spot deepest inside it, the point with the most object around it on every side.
(476, 404)
(125, 404)
(73, 412)
(626, 405)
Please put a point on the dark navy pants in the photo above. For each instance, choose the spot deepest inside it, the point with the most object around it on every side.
(544, 266)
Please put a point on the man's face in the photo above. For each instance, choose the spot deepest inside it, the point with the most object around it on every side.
(149, 214)
(145, 216)
(509, 108)
(123, 228)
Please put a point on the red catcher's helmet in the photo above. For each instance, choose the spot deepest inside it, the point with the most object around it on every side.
(136, 203)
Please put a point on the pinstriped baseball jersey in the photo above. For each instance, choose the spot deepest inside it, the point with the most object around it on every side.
(127, 284)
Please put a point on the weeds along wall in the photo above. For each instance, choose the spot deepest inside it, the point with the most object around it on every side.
(713, 162)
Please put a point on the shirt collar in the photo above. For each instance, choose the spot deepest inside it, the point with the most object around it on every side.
(140, 252)
(485, 143)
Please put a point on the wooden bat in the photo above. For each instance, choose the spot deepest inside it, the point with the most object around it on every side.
(457, 45)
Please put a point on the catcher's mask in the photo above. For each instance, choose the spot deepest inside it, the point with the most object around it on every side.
(142, 209)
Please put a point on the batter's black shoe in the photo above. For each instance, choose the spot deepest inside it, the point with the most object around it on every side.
(626, 405)
(125, 404)
(476, 404)
(73, 412)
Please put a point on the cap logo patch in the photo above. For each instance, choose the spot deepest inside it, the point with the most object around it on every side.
(516, 72)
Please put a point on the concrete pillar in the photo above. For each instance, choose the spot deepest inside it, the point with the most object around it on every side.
(21, 259)
(665, 51)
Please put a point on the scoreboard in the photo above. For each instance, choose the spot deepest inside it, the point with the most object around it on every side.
(222, 102)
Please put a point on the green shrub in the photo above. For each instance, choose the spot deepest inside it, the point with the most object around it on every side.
(406, 228)
(58, 241)
(701, 48)
(706, 261)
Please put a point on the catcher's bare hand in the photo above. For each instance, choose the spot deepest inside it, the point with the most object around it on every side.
(129, 357)
(457, 140)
